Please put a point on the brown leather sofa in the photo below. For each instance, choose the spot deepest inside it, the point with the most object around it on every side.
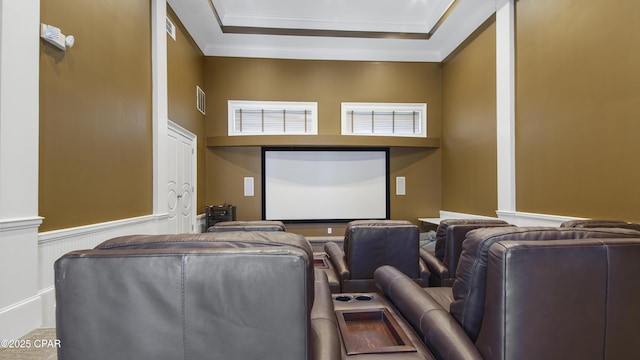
(531, 293)
(369, 244)
(450, 234)
(228, 295)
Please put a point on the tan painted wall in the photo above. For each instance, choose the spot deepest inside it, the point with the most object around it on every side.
(577, 96)
(469, 155)
(185, 71)
(95, 114)
(329, 83)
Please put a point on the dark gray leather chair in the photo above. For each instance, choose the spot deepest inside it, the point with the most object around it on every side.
(449, 237)
(251, 225)
(600, 223)
(369, 244)
(531, 293)
(229, 295)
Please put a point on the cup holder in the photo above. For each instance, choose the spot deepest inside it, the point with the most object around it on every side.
(356, 297)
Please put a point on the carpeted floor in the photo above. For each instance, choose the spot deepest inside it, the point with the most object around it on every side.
(40, 344)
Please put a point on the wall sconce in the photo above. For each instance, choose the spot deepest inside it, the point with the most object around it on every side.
(53, 35)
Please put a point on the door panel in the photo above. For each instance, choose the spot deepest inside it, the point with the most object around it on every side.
(181, 188)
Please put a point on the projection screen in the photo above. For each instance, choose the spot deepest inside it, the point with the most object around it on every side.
(325, 184)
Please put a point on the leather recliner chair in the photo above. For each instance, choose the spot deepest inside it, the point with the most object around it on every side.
(520, 297)
(229, 295)
(600, 223)
(450, 234)
(251, 225)
(369, 244)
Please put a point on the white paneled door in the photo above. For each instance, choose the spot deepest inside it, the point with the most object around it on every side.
(181, 180)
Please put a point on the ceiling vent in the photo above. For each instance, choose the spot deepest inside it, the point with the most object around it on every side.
(200, 100)
(171, 29)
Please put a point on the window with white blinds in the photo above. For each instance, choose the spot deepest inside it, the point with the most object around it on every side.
(272, 118)
(384, 119)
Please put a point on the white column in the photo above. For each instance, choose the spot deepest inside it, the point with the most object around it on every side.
(20, 305)
(160, 109)
(505, 85)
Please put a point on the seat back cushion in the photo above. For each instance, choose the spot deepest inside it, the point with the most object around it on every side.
(471, 275)
(370, 244)
(234, 303)
(454, 239)
(441, 231)
(592, 223)
(219, 240)
(590, 315)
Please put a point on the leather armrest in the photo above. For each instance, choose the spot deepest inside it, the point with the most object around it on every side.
(435, 266)
(325, 338)
(442, 334)
(424, 269)
(338, 259)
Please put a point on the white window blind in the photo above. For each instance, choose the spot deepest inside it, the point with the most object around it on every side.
(272, 118)
(399, 119)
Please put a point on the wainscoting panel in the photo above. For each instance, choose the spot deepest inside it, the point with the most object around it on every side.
(19, 303)
(53, 244)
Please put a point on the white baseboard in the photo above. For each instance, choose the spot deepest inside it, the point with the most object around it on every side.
(48, 301)
(20, 318)
(20, 306)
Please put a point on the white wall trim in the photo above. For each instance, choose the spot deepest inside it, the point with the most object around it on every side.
(456, 215)
(514, 217)
(533, 219)
(54, 244)
(48, 304)
(194, 182)
(86, 230)
(160, 104)
(20, 310)
(180, 130)
(19, 318)
(505, 105)
(20, 224)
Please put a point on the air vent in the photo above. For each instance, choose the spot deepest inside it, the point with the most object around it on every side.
(171, 29)
(200, 100)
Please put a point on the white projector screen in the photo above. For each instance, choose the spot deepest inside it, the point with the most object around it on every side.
(325, 184)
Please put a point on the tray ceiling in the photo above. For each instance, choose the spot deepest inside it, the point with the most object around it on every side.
(378, 30)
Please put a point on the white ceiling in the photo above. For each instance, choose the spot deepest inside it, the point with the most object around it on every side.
(374, 30)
